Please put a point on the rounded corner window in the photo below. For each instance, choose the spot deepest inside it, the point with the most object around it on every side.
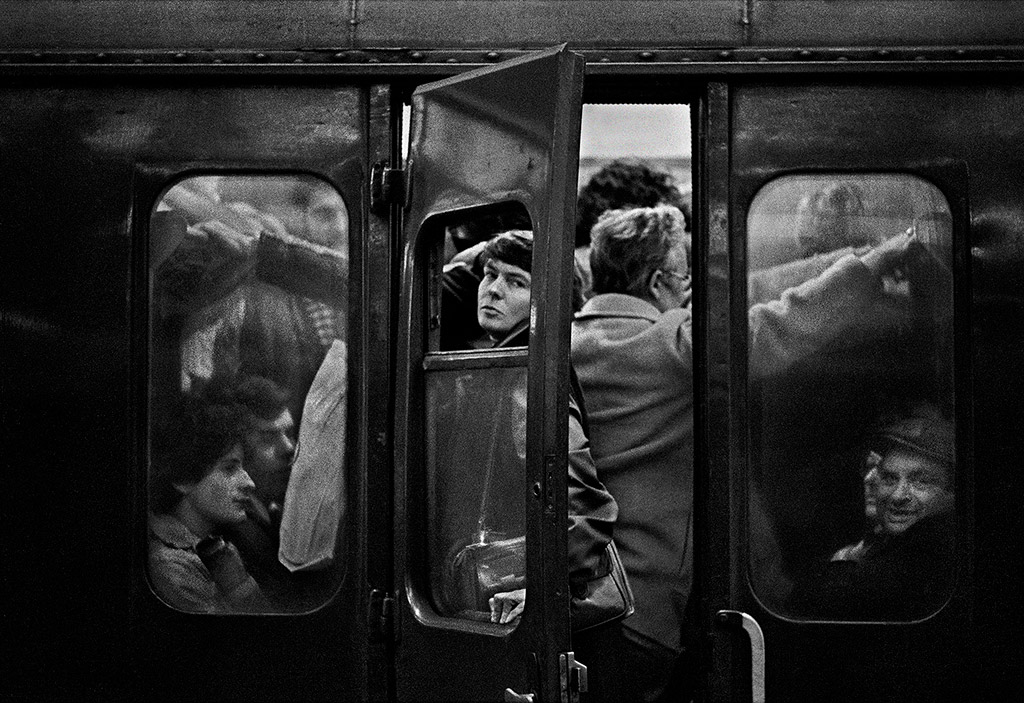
(479, 261)
(851, 464)
(248, 396)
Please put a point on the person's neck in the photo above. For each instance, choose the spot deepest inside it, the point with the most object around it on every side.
(197, 524)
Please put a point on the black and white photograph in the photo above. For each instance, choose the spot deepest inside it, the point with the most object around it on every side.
(512, 351)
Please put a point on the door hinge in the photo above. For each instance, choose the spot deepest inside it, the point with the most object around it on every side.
(387, 187)
(380, 616)
(572, 677)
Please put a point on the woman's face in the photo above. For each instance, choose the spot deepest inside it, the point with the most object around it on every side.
(221, 496)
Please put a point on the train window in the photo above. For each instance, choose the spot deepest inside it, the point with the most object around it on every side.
(475, 403)
(248, 396)
(473, 254)
(851, 482)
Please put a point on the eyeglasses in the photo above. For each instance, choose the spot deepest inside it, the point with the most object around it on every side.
(676, 274)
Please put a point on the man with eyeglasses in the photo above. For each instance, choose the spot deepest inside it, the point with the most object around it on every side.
(632, 349)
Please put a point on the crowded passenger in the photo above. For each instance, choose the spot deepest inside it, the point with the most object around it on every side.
(259, 281)
(503, 295)
(617, 186)
(904, 566)
(250, 301)
(632, 348)
(200, 488)
(268, 442)
(482, 513)
(465, 240)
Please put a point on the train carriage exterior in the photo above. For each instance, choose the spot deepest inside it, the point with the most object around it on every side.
(109, 111)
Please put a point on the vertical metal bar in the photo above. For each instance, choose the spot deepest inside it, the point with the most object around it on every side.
(549, 375)
(377, 400)
(712, 381)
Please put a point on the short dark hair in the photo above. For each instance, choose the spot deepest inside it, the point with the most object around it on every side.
(260, 396)
(514, 247)
(620, 185)
(630, 245)
(201, 428)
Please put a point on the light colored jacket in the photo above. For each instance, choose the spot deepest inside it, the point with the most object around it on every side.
(635, 365)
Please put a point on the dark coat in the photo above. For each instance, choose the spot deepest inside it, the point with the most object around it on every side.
(905, 577)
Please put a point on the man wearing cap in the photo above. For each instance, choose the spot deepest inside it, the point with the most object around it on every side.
(903, 569)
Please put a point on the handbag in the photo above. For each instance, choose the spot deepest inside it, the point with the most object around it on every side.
(606, 598)
(482, 570)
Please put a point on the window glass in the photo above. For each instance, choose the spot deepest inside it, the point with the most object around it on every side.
(478, 321)
(248, 396)
(476, 463)
(482, 293)
(851, 511)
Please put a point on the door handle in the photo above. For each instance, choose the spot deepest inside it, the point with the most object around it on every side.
(513, 697)
(736, 619)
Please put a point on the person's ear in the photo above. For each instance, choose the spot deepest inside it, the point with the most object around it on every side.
(654, 284)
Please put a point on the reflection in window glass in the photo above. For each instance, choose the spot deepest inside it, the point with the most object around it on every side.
(851, 512)
(476, 463)
(247, 393)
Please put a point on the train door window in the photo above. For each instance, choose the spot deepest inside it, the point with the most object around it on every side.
(475, 372)
(851, 482)
(248, 396)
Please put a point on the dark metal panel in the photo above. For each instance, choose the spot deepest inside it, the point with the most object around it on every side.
(508, 133)
(539, 23)
(174, 24)
(886, 22)
(919, 127)
(83, 619)
(284, 24)
(493, 25)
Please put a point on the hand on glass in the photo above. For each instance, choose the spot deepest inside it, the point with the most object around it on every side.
(507, 607)
(890, 255)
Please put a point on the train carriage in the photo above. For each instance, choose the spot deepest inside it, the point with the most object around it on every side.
(366, 132)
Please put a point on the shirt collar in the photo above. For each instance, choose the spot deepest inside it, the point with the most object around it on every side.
(618, 305)
(172, 532)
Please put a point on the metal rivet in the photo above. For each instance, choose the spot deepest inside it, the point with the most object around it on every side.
(138, 61)
(218, 60)
(491, 56)
(260, 57)
(961, 52)
(882, 52)
(179, 57)
(605, 59)
(920, 58)
(646, 55)
(762, 59)
(724, 54)
(536, 490)
(416, 56)
(452, 60)
(686, 59)
(805, 53)
(373, 59)
(841, 58)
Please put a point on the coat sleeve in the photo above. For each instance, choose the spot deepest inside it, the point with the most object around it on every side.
(592, 509)
(809, 316)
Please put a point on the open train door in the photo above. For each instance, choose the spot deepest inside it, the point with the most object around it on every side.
(836, 488)
(477, 466)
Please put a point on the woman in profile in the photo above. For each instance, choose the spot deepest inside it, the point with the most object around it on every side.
(199, 486)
